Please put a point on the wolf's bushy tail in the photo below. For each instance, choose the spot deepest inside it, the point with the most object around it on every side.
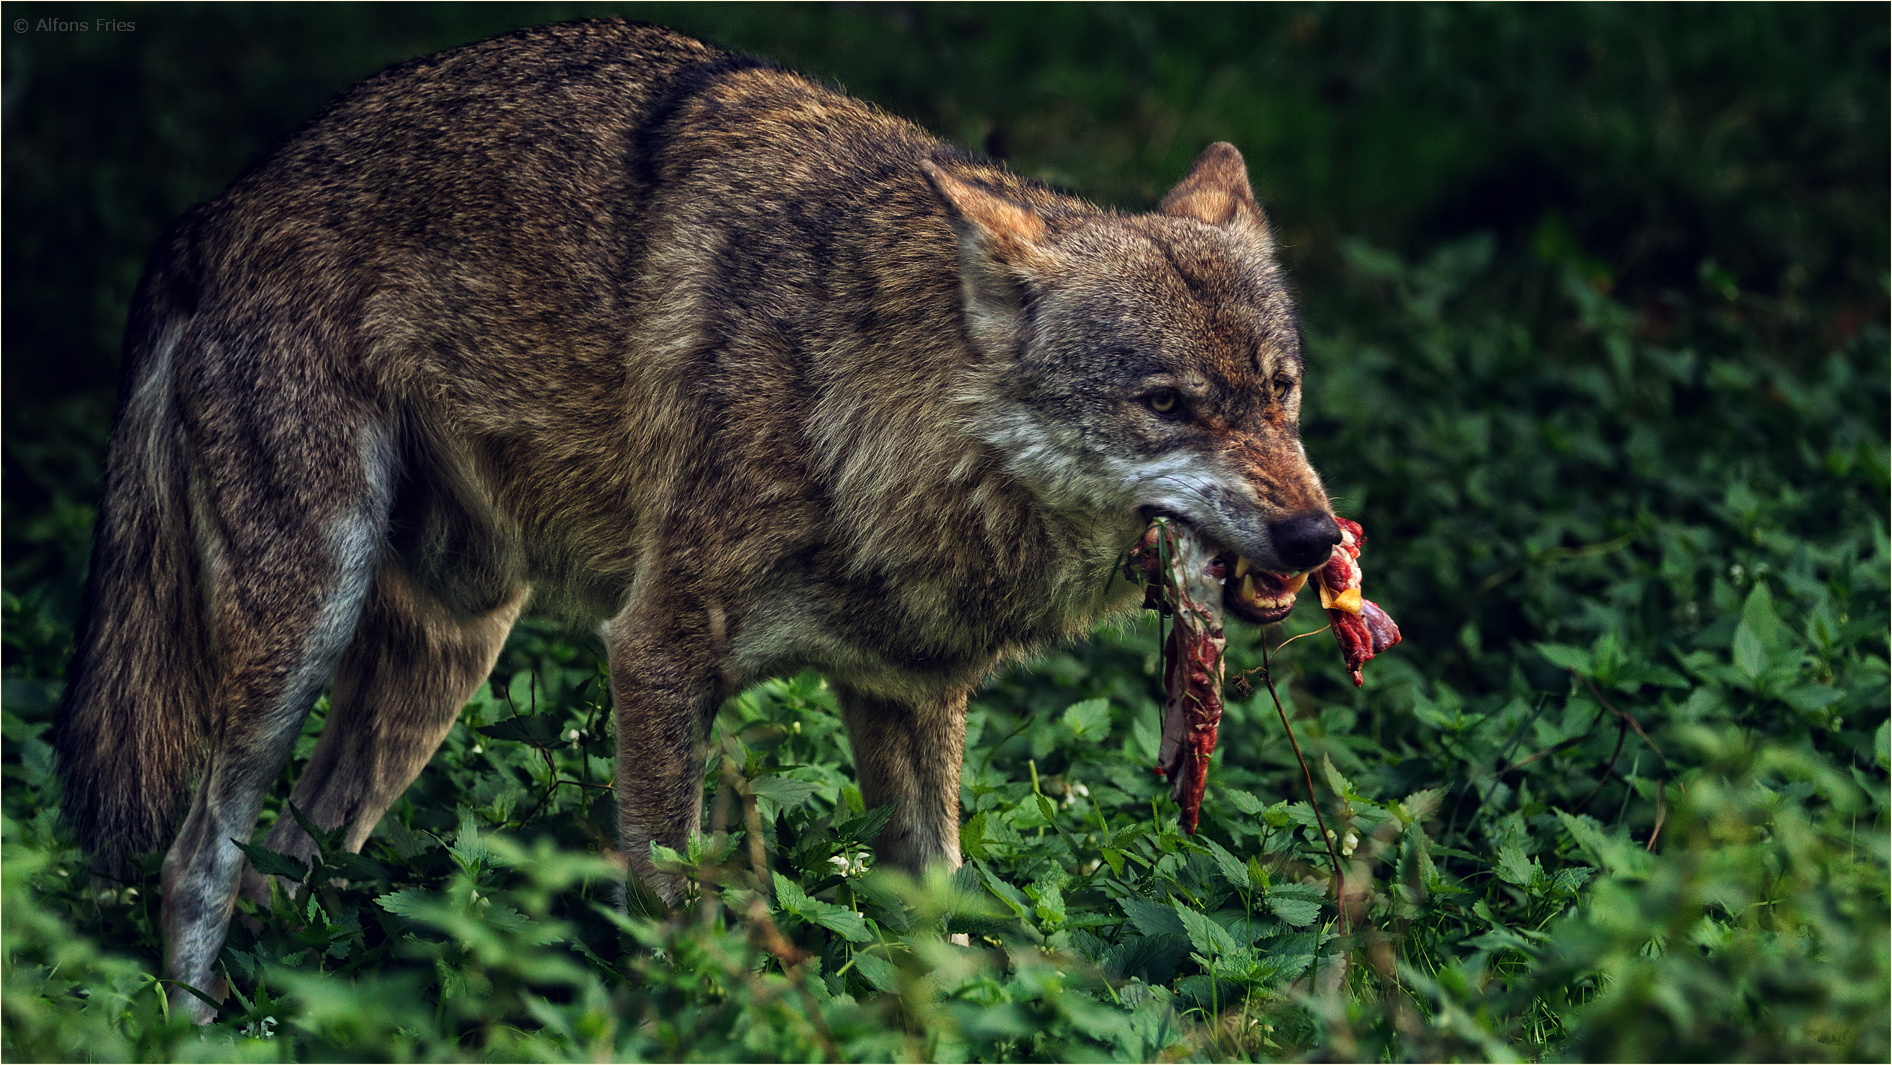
(131, 729)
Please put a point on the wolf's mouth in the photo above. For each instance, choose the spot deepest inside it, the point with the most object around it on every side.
(1256, 595)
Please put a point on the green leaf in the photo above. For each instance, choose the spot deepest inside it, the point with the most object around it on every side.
(877, 971)
(1046, 810)
(1150, 958)
(848, 922)
(1570, 879)
(782, 789)
(1302, 814)
(1152, 918)
(1244, 802)
(509, 920)
(788, 894)
(1234, 870)
(1564, 656)
(541, 730)
(468, 849)
(1089, 720)
(1148, 739)
(972, 837)
(1614, 851)
(270, 863)
(1758, 617)
(411, 903)
(1209, 938)
(1812, 698)
(525, 693)
(1011, 896)
(1515, 868)
(1297, 904)
(354, 867)
(1420, 806)
(1750, 655)
(864, 827)
(1048, 902)
(1341, 785)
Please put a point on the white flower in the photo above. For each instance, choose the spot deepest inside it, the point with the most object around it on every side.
(1347, 845)
(262, 1029)
(847, 866)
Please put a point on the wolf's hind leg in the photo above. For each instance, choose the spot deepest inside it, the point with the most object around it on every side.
(412, 665)
(289, 560)
(910, 754)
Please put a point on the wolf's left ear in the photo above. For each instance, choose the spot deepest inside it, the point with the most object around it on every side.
(1216, 191)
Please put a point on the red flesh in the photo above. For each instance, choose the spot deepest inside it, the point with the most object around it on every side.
(1189, 588)
(1368, 632)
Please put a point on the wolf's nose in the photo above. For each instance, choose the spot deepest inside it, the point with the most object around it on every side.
(1305, 540)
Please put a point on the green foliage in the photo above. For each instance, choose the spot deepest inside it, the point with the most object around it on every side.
(1595, 303)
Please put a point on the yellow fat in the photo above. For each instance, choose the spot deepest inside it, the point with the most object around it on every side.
(1348, 600)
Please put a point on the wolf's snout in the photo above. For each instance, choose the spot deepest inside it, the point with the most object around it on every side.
(1304, 540)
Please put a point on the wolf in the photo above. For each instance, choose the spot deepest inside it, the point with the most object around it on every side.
(599, 320)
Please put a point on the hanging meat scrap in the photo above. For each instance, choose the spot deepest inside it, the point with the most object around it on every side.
(1363, 629)
(1186, 578)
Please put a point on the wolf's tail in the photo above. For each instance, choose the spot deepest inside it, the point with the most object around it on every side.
(131, 730)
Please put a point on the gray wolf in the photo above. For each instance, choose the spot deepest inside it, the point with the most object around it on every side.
(599, 320)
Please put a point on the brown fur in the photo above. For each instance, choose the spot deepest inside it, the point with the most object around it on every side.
(599, 315)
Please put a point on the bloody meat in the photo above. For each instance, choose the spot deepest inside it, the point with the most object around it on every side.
(1185, 579)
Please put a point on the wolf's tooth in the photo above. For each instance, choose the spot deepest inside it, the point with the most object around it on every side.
(1241, 567)
(1296, 582)
(1249, 594)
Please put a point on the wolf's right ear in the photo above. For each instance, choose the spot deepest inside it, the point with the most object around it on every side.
(1216, 191)
(1004, 229)
(999, 244)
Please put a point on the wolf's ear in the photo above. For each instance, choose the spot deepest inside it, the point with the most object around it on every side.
(1216, 191)
(1001, 228)
(999, 248)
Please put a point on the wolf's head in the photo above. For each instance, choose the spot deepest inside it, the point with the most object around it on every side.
(1148, 364)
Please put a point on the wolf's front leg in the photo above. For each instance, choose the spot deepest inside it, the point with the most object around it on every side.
(667, 685)
(910, 754)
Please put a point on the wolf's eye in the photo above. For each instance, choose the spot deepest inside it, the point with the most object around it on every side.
(1283, 387)
(1164, 401)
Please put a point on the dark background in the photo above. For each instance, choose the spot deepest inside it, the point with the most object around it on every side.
(1651, 140)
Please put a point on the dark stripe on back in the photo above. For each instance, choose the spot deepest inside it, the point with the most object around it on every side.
(656, 133)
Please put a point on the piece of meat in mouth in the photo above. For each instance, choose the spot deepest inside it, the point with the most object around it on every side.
(1194, 581)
